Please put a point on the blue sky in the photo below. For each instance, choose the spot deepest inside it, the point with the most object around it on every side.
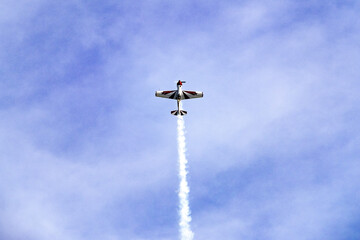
(88, 152)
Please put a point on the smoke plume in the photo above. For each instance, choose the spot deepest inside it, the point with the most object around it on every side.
(184, 209)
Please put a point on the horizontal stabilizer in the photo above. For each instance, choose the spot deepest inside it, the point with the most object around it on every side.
(176, 112)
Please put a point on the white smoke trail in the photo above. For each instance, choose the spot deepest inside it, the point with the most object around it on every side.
(184, 209)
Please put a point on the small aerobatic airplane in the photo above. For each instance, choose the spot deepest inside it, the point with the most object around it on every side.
(179, 95)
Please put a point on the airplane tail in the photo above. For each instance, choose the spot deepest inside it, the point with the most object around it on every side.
(177, 112)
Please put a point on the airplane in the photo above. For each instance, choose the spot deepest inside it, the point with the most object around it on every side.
(179, 95)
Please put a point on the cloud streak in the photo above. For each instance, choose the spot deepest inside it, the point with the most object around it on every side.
(184, 208)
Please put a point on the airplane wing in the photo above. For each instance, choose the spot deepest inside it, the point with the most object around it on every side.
(166, 94)
(192, 94)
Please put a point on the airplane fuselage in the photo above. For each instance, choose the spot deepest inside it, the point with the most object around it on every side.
(179, 94)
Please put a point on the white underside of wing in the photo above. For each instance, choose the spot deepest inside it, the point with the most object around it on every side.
(172, 94)
(191, 94)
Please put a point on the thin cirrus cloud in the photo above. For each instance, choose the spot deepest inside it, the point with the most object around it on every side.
(87, 152)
